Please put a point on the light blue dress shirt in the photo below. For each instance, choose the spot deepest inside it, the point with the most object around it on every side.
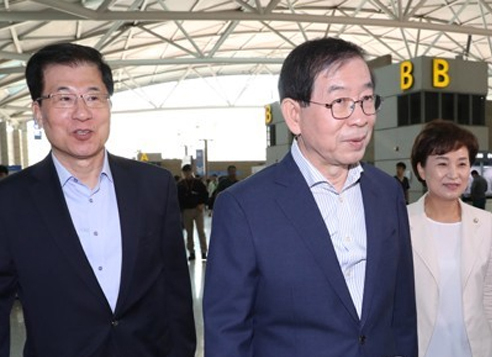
(96, 219)
(343, 214)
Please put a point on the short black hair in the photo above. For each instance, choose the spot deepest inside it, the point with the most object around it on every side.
(402, 165)
(4, 170)
(69, 54)
(474, 172)
(186, 168)
(302, 66)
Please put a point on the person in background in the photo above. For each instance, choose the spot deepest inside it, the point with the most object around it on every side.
(311, 256)
(229, 180)
(402, 179)
(452, 244)
(478, 190)
(4, 171)
(211, 188)
(91, 243)
(193, 195)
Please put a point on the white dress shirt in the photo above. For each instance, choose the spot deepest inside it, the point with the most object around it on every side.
(343, 214)
(449, 338)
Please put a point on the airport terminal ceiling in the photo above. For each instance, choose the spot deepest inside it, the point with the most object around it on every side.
(155, 41)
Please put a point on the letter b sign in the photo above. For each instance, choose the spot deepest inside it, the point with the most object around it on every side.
(440, 74)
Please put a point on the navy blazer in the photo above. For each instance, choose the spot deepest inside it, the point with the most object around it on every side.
(273, 283)
(65, 310)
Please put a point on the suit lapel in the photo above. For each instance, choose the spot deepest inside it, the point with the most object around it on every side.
(374, 242)
(126, 186)
(422, 245)
(297, 202)
(470, 241)
(50, 202)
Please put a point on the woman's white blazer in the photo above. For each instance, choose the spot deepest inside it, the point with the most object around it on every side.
(476, 276)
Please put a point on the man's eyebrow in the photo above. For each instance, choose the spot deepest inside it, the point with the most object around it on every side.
(65, 88)
(336, 87)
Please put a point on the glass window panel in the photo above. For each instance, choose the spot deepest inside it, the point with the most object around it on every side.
(403, 112)
(431, 106)
(464, 109)
(415, 108)
(478, 110)
(447, 106)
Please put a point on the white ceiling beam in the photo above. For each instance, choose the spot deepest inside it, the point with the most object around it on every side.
(410, 12)
(223, 38)
(385, 9)
(279, 34)
(6, 55)
(351, 14)
(246, 6)
(272, 5)
(104, 5)
(384, 44)
(15, 40)
(114, 27)
(51, 15)
(115, 64)
(299, 25)
(483, 13)
(170, 42)
(417, 42)
(258, 6)
(453, 20)
(175, 86)
(182, 29)
(69, 8)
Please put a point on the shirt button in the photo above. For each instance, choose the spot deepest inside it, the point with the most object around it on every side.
(340, 199)
(347, 239)
(362, 339)
(91, 200)
(100, 268)
(115, 323)
(96, 234)
(349, 273)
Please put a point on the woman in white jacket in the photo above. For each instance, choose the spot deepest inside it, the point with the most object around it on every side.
(452, 244)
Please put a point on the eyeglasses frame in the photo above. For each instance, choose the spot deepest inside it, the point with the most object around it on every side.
(77, 96)
(361, 101)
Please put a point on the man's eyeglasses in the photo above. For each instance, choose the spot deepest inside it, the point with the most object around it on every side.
(69, 100)
(342, 108)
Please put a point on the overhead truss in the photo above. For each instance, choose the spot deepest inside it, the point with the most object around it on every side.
(154, 41)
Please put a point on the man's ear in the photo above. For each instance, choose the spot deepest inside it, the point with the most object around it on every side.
(291, 110)
(37, 115)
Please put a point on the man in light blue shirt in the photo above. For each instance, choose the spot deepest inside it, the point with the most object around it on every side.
(91, 242)
(95, 216)
(311, 256)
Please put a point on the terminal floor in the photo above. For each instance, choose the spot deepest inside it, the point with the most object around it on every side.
(197, 272)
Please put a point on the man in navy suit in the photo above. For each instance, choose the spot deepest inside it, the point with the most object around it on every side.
(91, 243)
(311, 256)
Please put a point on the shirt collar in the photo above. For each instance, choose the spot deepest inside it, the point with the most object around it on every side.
(64, 175)
(311, 174)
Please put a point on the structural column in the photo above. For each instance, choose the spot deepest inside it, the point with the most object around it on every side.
(4, 143)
